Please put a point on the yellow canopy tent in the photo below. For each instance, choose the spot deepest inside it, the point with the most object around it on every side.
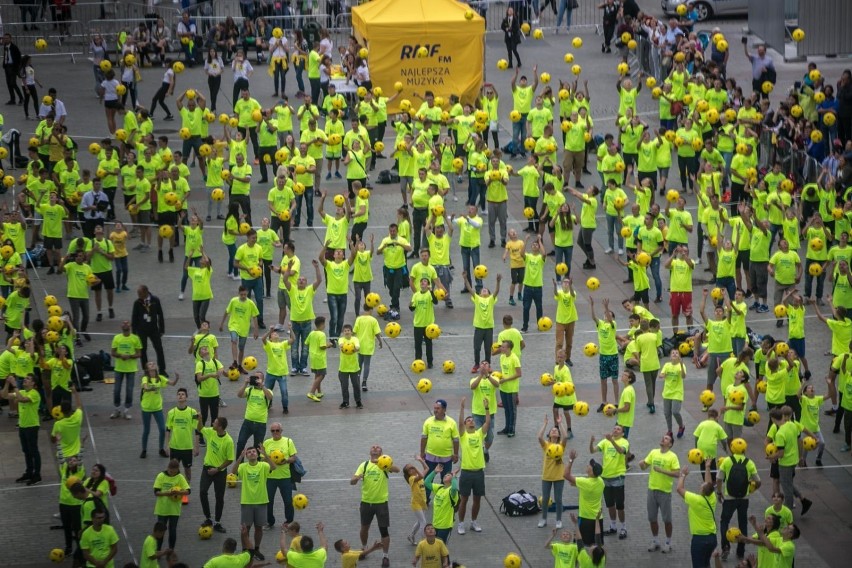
(427, 45)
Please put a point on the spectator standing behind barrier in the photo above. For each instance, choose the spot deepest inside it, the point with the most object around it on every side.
(762, 68)
(844, 106)
(511, 27)
(610, 9)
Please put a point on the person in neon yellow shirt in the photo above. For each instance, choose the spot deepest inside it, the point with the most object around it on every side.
(99, 542)
(588, 223)
(514, 250)
(473, 459)
(277, 369)
(665, 467)
(170, 487)
(533, 280)
(510, 367)
(366, 329)
(337, 287)
(253, 467)
(626, 409)
(590, 489)
(608, 350)
(673, 374)
(241, 314)
(522, 98)
(701, 509)
(374, 497)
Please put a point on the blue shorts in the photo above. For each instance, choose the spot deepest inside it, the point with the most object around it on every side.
(239, 339)
(798, 345)
(608, 367)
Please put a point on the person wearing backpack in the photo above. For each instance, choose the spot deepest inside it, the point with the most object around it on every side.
(736, 478)
(445, 500)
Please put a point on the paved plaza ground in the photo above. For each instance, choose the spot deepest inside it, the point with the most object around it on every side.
(332, 443)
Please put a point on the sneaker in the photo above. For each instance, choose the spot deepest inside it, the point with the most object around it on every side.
(313, 397)
(474, 369)
(385, 562)
(806, 503)
(558, 524)
(306, 373)
(542, 523)
(620, 252)
(343, 405)
(319, 395)
(219, 528)
(666, 549)
(608, 250)
(127, 415)
(163, 454)
(359, 406)
(222, 404)
(115, 414)
(269, 526)
(680, 432)
(652, 409)
(258, 555)
(474, 526)
(622, 534)
(180, 296)
(601, 407)
(844, 448)
(762, 309)
(364, 386)
(36, 479)
(511, 301)
(411, 540)
(725, 553)
(25, 477)
(143, 455)
(461, 528)
(294, 372)
(653, 546)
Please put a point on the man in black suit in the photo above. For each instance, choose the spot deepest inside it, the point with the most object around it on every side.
(11, 66)
(148, 322)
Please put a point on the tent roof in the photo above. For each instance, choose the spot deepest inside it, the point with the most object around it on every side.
(424, 16)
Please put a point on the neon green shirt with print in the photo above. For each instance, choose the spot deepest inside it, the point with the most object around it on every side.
(209, 387)
(181, 423)
(337, 277)
(628, 395)
(440, 435)
(152, 400)
(316, 342)
(614, 463)
(508, 366)
(276, 354)
(257, 405)
(126, 345)
(76, 274)
(302, 303)
(681, 276)
(99, 543)
(363, 271)
(349, 361)
(68, 431)
(374, 483)
(240, 312)
(590, 491)
(534, 274)
(366, 328)
(719, 336)
(285, 445)
(588, 212)
(336, 231)
(673, 381)
(166, 505)
(667, 461)
(566, 308)
(701, 511)
(785, 264)
(483, 311)
(253, 477)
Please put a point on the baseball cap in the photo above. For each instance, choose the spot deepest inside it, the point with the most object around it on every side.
(597, 469)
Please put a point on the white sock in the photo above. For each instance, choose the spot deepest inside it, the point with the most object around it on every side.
(668, 542)
(656, 542)
(623, 525)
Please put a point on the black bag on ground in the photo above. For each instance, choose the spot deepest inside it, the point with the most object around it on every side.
(91, 367)
(520, 504)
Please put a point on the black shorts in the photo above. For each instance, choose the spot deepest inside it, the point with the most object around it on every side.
(563, 406)
(587, 531)
(742, 259)
(167, 218)
(774, 471)
(614, 497)
(52, 243)
(641, 296)
(518, 275)
(378, 510)
(630, 159)
(116, 104)
(183, 456)
(472, 481)
(106, 281)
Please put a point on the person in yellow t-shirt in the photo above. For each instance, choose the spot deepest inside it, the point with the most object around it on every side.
(665, 467)
(551, 470)
(374, 497)
(349, 558)
(514, 250)
(701, 509)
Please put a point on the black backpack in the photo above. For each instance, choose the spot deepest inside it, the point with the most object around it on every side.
(737, 478)
(520, 504)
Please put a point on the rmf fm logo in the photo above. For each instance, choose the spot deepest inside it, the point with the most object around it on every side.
(422, 52)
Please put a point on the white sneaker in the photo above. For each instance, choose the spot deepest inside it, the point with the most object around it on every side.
(461, 528)
(180, 296)
(620, 252)
(127, 415)
(115, 413)
(483, 213)
(558, 524)
(455, 198)
(474, 526)
(542, 523)
(608, 250)
(666, 548)
(697, 261)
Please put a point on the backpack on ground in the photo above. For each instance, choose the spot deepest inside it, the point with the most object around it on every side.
(386, 177)
(520, 504)
(737, 479)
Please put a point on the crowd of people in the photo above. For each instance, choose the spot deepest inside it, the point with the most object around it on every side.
(750, 232)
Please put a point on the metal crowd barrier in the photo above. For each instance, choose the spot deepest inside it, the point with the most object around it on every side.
(777, 149)
(587, 15)
(60, 43)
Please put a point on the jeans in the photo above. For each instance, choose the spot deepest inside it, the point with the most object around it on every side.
(563, 254)
(171, 521)
(671, 408)
(519, 131)
(218, 483)
(285, 487)
(701, 549)
(476, 192)
(79, 313)
(655, 272)
(146, 428)
(532, 202)
(809, 281)
(728, 283)
(308, 197)
(250, 429)
(279, 77)
(557, 487)
(470, 258)
(121, 272)
(584, 239)
(29, 445)
(729, 505)
(482, 340)
(127, 379)
(199, 311)
(299, 350)
(509, 410)
(785, 476)
(281, 380)
(255, 288)
(232, 252)
(336, 313)
(419, 338)
(364, 363)
(418, 221)
(611, 223)
(299, 68)
(395, 279)
(564, 10)
(532, 294)
(209, 406)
